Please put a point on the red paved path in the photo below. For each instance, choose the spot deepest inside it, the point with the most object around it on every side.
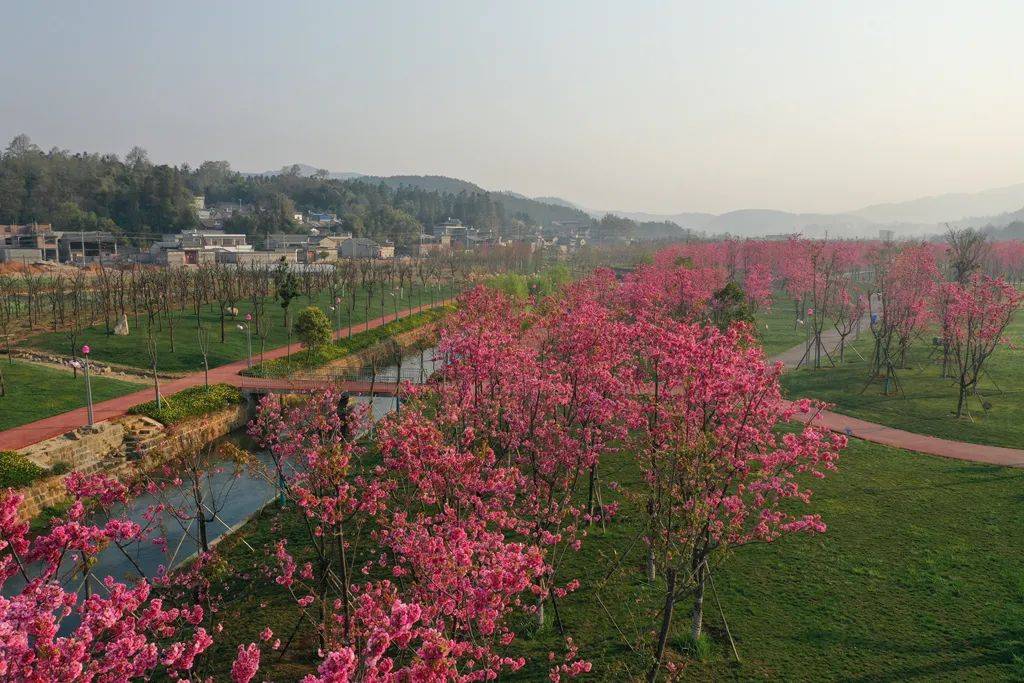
(931, 445)
(47, 428)
(889, 436)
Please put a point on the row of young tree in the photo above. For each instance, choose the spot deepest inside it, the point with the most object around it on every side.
(158, 304)
(421, 545)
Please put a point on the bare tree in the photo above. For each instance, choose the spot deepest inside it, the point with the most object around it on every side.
(967, 251)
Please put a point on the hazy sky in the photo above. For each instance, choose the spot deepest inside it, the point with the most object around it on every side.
(657, 106)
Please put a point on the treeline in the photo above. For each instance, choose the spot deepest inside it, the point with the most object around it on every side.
(136, 198)
(83, 191)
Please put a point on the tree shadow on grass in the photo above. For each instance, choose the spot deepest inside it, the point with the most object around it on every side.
(997, 475)
(957, 656)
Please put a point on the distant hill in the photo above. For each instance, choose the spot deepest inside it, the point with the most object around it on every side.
(947, 207)
(557, 201)
(758, 222)
(307, 171)
(659, 230)
(997, 221)
(430, 183)
(751, 222)
(540, 211)
(927, 215)
(691, 220)
(513, 203)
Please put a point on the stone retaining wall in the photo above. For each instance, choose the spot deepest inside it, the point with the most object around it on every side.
(121, 448)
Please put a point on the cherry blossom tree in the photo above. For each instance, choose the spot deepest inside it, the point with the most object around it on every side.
(718, 476)
(906, 280)
(122, 632)
(977, 313)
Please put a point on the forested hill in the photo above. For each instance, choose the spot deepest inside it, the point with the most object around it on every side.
(85, 191)
(428, 183)
(136, 198)
(515, 205)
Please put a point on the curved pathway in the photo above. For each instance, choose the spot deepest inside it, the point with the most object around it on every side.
(889, 436)
(47, 428)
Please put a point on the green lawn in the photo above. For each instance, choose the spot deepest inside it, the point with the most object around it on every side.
(36, 391)
(929, 400)
(131, 350)
(775, 327)
(919, 576)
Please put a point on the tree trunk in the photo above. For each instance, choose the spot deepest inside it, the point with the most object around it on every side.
(288, 332)
(666, 623)
(652, 570)
(697, 618)
(961, 399)
(156, 388)
(197, 493)
(590, 494)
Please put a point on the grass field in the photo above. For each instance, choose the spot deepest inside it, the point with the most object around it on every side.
(36, 391)
(919, 576)
(775, 327)
(929, 400)
(187, 357)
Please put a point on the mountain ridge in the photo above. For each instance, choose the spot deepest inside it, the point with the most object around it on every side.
(914, 217)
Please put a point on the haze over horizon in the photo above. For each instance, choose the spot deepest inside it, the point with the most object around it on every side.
(662, 108)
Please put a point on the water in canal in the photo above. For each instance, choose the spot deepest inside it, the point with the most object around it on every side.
(236, 492)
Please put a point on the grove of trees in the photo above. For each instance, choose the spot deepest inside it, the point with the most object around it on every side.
(430, 539)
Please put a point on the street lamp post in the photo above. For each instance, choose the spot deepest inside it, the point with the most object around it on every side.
(248, 339)
(337, 308)
(88, 384)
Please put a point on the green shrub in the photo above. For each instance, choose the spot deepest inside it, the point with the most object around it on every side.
(513, 284)
(307, 359)
(59, 467)
(729, 305)
(16, 470)
(313, 327)
(540, 285)
(190, 403)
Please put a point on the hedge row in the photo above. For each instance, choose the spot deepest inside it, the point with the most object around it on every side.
(308, 359)
(189, 403)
